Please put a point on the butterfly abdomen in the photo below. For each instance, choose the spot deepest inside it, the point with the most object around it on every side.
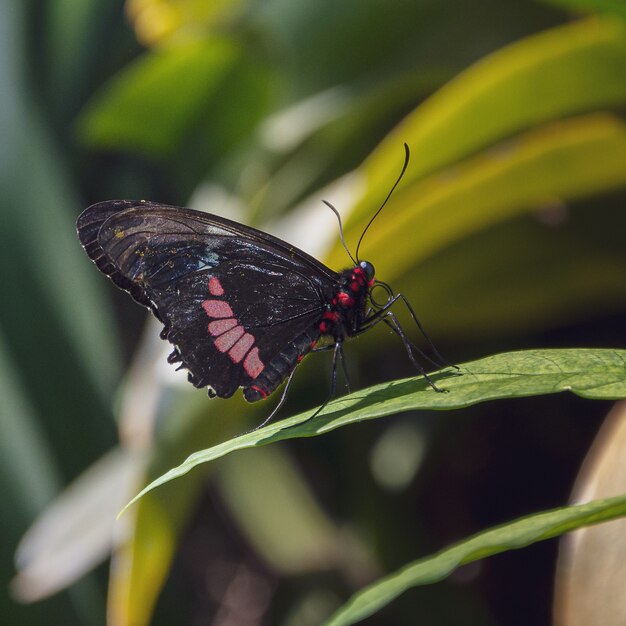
(275, 372)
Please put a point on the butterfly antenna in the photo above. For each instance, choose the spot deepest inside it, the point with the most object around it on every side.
(343, 241)
(382, 206)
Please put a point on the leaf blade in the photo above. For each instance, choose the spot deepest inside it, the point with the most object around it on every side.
(589, 373)
(513, 535)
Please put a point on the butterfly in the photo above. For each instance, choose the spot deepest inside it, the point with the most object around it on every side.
(241, 307)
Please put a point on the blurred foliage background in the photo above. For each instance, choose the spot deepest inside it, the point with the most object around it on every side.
(507, 232)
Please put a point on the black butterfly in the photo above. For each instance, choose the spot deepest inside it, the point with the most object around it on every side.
(241, 307)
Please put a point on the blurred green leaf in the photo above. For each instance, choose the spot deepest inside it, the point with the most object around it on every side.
(557, 73)
(26, 459)
(72, 25)
(615, 7)
(597, 374)
(512, 536)
(141, 564)
(54, 361)
(74, 533)
(293, 535)
(564, 160)
(323, 44)
(523, 275)
(155, 101)
(63, 346)
(163, 21)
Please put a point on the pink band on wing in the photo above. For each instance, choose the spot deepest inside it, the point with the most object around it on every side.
(226, 341)
(217, 308)
(219, 327)
(253, 364)
(241, 348)
(215, 287)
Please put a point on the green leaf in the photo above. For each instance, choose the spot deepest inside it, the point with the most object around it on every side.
(511, 536)
(552, 75)
(589, 373)
(159, 98)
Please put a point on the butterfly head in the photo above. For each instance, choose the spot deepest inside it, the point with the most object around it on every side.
(362, 277)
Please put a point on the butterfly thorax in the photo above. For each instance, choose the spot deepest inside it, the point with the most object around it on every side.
(346, 311)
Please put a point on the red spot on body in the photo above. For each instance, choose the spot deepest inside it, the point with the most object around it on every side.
(354, 286)
(254, 366)
(241, 348)
(219, 327)
(333, 316)
(215, 287)
(345, 299)
(261, 391)
(323, 327)
(371, 283)
(358, 278)
(226, 341)
(217, 308)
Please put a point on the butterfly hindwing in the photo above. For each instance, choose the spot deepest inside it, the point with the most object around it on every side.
(230, 297)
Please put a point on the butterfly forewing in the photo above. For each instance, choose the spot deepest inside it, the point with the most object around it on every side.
(88, 227)
(230, 297)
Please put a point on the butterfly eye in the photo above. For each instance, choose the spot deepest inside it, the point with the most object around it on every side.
(368, 268)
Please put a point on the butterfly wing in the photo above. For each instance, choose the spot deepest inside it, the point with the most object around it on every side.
(88, 226)
(230, 297)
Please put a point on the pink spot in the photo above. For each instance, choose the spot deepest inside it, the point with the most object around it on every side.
(219, 327)
(253, 365)
(333, 316)
(217, 308)
(226, 341)
(241, 348)
(355, 286)
(323, 327)
(215, 287)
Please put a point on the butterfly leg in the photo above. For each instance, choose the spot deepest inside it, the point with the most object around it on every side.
(344, 367)
(338, 348)
(443, 360)
(337, 354)
(391, 321)
(388, 317)
(382, 312)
